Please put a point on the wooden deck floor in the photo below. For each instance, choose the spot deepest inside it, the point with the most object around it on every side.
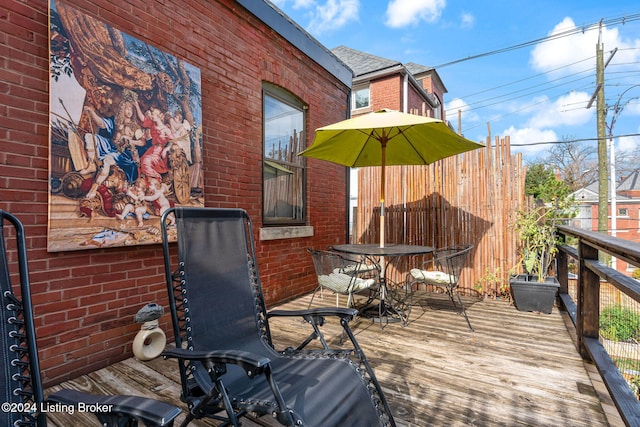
(516, 369)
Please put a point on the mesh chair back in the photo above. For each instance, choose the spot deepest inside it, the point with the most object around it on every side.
(334, 272)
(452, 260)
(217, 304)
(217, 291)
(19, 371)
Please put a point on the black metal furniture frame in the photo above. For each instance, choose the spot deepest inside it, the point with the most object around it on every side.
(19, 365)
(228, 364)
(344, 275)
(449, 261)
(389, 311)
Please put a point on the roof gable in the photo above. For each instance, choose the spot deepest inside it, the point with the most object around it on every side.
(362, 63)
(631, 182)
(585, 195)
(417, 68)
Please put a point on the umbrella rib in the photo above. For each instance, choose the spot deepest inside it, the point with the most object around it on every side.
(368, 134)
(401, 132)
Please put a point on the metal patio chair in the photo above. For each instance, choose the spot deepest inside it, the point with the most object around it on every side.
(229, 367)
(344, 276)
(443, 271)
(21, 393)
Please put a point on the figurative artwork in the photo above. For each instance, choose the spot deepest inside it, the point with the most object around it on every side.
(125, 134)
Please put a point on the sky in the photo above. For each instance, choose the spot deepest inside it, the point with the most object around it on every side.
(522, 69)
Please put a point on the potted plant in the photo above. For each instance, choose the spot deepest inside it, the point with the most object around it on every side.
(535, 289)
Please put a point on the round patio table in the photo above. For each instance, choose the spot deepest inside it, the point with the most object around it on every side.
(388, 312)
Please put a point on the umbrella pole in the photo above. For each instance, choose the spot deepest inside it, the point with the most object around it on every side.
(382, 188)
(383, 266)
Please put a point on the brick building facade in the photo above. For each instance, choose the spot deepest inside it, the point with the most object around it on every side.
(627, 224)
(85, 301)
(386, 83)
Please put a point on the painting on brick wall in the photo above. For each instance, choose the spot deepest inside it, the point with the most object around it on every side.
(125, 134)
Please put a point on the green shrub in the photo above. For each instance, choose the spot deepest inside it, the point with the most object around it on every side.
(619, 324)
(636, 274)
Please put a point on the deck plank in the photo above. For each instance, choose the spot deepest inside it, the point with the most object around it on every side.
(516, 369)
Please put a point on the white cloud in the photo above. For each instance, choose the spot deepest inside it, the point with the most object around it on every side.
(456, 104)
(332, 14)
(468, 20)
(633, 107)
(567, 110)
(303, 4)
(529, 140)
(628, 144)
(297, 4)
(576, 52)
(401, 13)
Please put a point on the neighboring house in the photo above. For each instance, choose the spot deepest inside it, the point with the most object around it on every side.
(266, 85)
(385, 83)
(627, 211)
(586, 198)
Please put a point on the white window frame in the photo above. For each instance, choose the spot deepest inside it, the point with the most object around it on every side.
(354, 97)
(284, 172)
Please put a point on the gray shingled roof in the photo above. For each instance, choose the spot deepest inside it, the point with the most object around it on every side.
(632, 182)
(417, 68)
(362, 63)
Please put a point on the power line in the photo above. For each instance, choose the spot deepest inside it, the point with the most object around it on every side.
(489, 101)
(529, 78)
(573, 140)
(532, 90)
(615, 21)
(467, 108)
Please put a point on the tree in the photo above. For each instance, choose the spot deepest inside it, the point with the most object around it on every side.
(576, 163)
(541, 183)
(536, 225)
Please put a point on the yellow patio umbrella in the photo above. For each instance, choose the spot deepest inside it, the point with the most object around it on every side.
(387, 137)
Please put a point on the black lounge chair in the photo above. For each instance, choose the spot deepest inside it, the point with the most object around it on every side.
(21, 393)
(443, 271)
(228, 364)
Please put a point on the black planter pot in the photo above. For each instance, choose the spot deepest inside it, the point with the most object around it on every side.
(530, 295)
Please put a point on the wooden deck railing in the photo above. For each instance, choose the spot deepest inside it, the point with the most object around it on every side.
(584, 305)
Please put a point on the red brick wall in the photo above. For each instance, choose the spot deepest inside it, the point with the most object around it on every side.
(626, 227)
(85, 301)
(436, 90)
(386, 93)
(416, 104)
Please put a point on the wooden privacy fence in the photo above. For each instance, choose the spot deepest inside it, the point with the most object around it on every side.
(470, 198)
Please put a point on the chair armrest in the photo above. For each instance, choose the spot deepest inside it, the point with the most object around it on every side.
(133, 408)
(316, 318)
(429, 264)
(250, 362)
(341, 312)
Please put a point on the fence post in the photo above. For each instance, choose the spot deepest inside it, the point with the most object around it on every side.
(588, 313)
(562, 270)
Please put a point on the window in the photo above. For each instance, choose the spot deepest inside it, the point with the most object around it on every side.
(623, 212)
(283, 172)
(361, 97)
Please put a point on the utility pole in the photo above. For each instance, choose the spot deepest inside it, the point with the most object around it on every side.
(601, 113)
(603, 199)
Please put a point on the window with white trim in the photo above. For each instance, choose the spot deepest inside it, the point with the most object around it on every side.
(283, 171)
(361, 97)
